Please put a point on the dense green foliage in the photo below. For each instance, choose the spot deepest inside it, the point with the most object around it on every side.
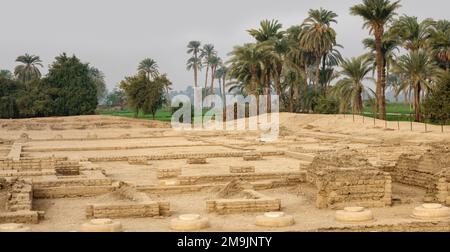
(437, 104)
(68, 89)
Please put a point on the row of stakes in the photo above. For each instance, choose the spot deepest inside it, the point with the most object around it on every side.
(398, 122)
(191, 222)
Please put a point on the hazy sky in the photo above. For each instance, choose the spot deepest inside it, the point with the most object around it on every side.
(115, 35)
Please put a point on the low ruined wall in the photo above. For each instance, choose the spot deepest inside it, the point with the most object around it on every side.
(242, 169)
(201, 179)
(35, 164)
(183, 156)
(348, 179)
(168, 172)
(71, 191)
(128, 210)
(428, 171)
(30, 217)
(340, 187)
(435, 226)
(255, 203)
(69, 188)
(21, 196)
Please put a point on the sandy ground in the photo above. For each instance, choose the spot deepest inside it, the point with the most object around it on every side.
(81, 137)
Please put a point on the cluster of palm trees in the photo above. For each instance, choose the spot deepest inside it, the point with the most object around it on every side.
(206, 57)
(303, 65)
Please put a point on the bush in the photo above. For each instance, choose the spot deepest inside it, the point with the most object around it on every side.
(327, 105)
(437, 104)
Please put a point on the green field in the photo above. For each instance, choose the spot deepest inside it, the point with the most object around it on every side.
(161, 115)
(395, 112)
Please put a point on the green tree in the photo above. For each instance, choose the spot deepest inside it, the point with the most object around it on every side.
(29, 69)
(214, 62)
(195, 61)
(99, 79)
(70, 86)
(350, 89)
(318, 37)
(420, 71)
(6, 74)
(438, 101)
(413, 34)
(149, 68)
(440, 42)
(144, 95)
(116, 97)
(376, 14)
(207, 53)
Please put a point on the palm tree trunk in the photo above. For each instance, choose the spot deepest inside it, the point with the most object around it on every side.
(417, 102)
(318, 58)
(213, 73)
(291, 100)
(379, 60)
(206, 77)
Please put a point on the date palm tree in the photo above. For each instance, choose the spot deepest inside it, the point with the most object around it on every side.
(412, 33)
(247, 63)
(207, 53)
(221, 75)
(195, 61)
(318, 36)
(29, 70)
(350, 89)
(440, 42)
(376, 15)
(214, 62)
(420, 71)
(149, 68)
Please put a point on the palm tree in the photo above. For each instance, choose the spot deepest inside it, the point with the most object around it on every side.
(149, 68)
(271, 35)
(318, 36)
(376, 14)
(6, 74)
(388, 48)
(207, 53)
(440, 42)
(269, 30)
(247, 64)
(194, 62)
(420, 71)
(412, 34)
(221, 75)
(351, 87)
(29, 70)
(214, 61)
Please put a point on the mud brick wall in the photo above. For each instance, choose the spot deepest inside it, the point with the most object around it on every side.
(137, 161)
(128, 210)
(256, 203)
(202, 179)
(71, 191)
(242, 169)
(67, 168)
(184, 156)
(20, 195)
(34, 164)
(340, 187)
(417, 226)
(168, 172)
(252, 156)
(30, 217)
(69, 188)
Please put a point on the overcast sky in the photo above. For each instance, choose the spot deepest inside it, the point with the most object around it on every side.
(114, 35)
